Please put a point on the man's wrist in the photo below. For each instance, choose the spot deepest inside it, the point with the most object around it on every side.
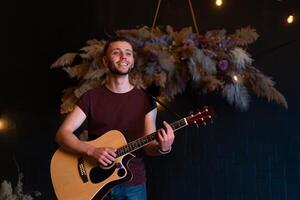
(89, 151)
(164, 151)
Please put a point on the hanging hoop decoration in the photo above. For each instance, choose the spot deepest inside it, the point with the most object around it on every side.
(191, 10)
(155, 16)
(193, 16)
(173, 60)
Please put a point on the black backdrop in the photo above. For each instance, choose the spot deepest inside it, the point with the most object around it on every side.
(242, 155)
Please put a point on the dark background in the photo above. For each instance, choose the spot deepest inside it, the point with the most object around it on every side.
(253, 154)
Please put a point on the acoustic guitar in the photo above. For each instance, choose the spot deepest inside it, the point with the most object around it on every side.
(78, 178)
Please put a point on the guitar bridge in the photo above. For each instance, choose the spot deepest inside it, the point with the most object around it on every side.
(82, 171)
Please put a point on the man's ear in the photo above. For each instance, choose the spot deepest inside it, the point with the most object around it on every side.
(104, 61)
(133, 64)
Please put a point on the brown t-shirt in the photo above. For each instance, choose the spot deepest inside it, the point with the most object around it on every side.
(106, 110)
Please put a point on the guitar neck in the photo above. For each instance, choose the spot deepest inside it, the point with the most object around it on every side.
(143, 141)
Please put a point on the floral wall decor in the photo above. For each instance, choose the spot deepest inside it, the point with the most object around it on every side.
(7, 192)
(173, 60)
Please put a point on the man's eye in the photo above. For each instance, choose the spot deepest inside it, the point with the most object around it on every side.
(128, 53)
(115, 53)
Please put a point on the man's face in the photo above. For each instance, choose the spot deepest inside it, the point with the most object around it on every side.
(119, 58)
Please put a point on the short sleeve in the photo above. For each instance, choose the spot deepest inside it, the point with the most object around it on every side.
(84, 103)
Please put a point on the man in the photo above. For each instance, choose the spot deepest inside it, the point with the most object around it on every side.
(117, 105)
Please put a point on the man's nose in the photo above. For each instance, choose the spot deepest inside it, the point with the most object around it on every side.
(123, 56)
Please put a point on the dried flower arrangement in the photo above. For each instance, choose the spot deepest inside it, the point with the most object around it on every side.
(213, 62)
(8, 193)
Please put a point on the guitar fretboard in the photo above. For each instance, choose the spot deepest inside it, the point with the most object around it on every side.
(143, 141)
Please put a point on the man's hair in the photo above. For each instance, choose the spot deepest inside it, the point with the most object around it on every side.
(116, 39)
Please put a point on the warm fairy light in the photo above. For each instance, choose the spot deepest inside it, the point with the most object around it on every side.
(290, 19)
(219, 2)
(3, 124)
(235, 78)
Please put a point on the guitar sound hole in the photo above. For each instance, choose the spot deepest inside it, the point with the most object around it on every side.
(98, 174)
(121, 172)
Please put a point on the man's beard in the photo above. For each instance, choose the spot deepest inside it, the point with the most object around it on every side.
(114, 70)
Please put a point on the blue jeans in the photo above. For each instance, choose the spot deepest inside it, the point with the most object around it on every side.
(122, 192)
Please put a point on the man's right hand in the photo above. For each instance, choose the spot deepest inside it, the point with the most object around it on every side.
(104, 155)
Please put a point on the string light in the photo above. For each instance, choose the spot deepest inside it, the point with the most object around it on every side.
(6, 124)
(219, 2)
(3, 124)
(235, 78)
(290, 19)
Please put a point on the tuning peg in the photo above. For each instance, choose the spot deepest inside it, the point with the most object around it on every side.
(196, 124)
(203, 121)
(199, 111)
(211, 119)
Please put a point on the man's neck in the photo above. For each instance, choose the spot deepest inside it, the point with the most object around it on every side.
(118, 84)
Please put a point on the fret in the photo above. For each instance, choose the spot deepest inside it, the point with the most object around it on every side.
(178, 124)
(131, 146)
(126, 148)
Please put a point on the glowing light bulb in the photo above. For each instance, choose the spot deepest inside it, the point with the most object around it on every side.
(235, 78)
(1, 125)
(290, 19)
(219, 2)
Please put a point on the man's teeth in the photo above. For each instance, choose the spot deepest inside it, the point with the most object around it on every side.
(123, 63)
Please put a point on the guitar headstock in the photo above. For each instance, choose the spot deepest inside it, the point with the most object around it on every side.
(201, 117)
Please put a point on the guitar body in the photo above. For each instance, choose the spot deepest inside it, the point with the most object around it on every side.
(77, 178)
